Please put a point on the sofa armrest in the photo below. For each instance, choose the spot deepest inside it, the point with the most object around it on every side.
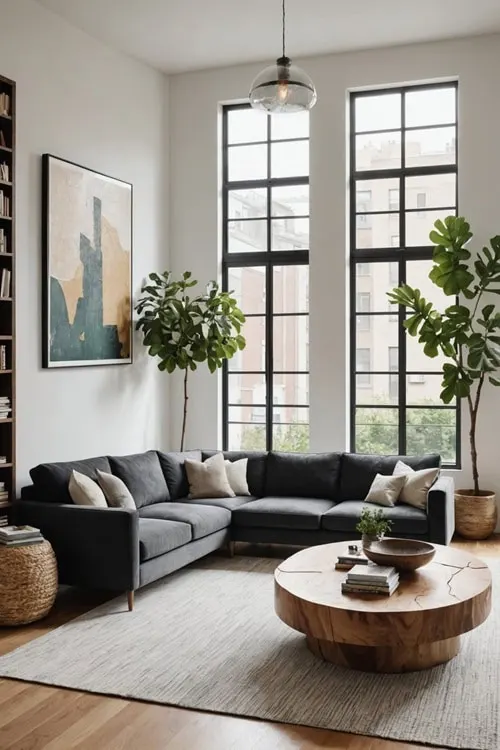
(441, 510)
(95, 547)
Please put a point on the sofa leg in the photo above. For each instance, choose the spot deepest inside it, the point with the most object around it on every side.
(231, 548)
(130, 599)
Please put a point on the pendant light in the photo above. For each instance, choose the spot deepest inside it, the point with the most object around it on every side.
(283, 87)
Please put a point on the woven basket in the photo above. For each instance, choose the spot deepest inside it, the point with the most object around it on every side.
(28, 583)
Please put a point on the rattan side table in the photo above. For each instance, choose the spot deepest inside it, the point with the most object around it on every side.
(28, 582)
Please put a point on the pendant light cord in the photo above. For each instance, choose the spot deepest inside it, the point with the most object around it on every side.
(284, 20)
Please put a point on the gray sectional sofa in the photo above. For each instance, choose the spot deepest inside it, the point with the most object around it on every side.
(296, 499)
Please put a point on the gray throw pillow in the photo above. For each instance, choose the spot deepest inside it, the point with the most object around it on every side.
(115, 491)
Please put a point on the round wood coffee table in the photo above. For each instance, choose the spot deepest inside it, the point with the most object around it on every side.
(418, 627)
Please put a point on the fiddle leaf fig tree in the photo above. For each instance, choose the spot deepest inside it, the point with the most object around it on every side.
(184, 331)
(467, 335)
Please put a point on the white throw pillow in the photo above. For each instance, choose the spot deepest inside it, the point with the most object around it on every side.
(237, 476)
(115, 491)
(385, 490)
(417, 484)
(84, 491)
(208, 478)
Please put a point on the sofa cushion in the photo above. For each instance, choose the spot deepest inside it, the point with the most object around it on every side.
(282, 513)
(256, 468)
(158, 537)
(142, 474)
(303, 474)
(405, 519)
(359, 470)
(231, 503)
(51, 480)
(174, 471)
(202, 519)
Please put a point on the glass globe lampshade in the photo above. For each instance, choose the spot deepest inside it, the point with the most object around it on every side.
(282, 87)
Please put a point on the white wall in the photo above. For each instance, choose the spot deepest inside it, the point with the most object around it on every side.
(194, 209)
(83, 102)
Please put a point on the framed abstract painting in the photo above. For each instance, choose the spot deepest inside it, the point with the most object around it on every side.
(87, 266)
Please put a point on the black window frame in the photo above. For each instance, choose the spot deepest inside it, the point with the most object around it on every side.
(269, 259)
(401, 255)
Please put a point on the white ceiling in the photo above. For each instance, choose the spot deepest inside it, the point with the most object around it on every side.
(181, 35)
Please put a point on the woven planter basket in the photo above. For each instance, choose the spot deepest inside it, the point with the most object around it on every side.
(28, 583)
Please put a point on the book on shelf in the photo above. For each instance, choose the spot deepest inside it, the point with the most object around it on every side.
(4, 172)
(3, 459)
(2, 139)
(3, 359)
(5, 104)
(3, 242)
(13, 533)
(4, 204)
(5, 284)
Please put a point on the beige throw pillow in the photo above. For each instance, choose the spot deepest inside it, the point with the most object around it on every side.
(84, 491)
(115, 491)
(385, 490)
(237, 476)
(208, 478)
(417, 484)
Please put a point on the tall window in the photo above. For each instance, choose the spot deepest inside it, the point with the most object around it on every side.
(266, 264)
(403, 153)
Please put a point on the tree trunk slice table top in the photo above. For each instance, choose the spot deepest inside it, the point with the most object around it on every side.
(418, 627)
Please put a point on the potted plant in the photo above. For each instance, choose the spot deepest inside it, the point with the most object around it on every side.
(372, 525)
(468, 336)
(184, 331)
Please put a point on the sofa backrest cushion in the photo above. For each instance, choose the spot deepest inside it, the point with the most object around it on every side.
(174, 471)
(256, 468)
(303, 475)
(359, 470)
(143, 476)
(51, 480)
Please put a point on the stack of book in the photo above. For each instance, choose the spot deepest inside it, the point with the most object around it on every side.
(5, 408)
(4, 495)
(4, 521)
(5, 104)
(349, 559)
(4, 204)
(4, 172)
(371, 579)
(4, 248)
(15, 536)
(5, 285)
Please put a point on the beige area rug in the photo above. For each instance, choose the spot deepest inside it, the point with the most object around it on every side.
(207, 638)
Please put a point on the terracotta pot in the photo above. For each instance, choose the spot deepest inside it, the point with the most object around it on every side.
(475, 515)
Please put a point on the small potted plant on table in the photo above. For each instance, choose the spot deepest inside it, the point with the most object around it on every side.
(372, 525)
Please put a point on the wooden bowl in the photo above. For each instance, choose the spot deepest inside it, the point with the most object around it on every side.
(402, 554)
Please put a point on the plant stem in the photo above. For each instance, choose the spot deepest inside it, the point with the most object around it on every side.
(473, 409)
(184, 418)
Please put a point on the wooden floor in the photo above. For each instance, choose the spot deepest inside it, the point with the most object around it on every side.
(35, 717)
